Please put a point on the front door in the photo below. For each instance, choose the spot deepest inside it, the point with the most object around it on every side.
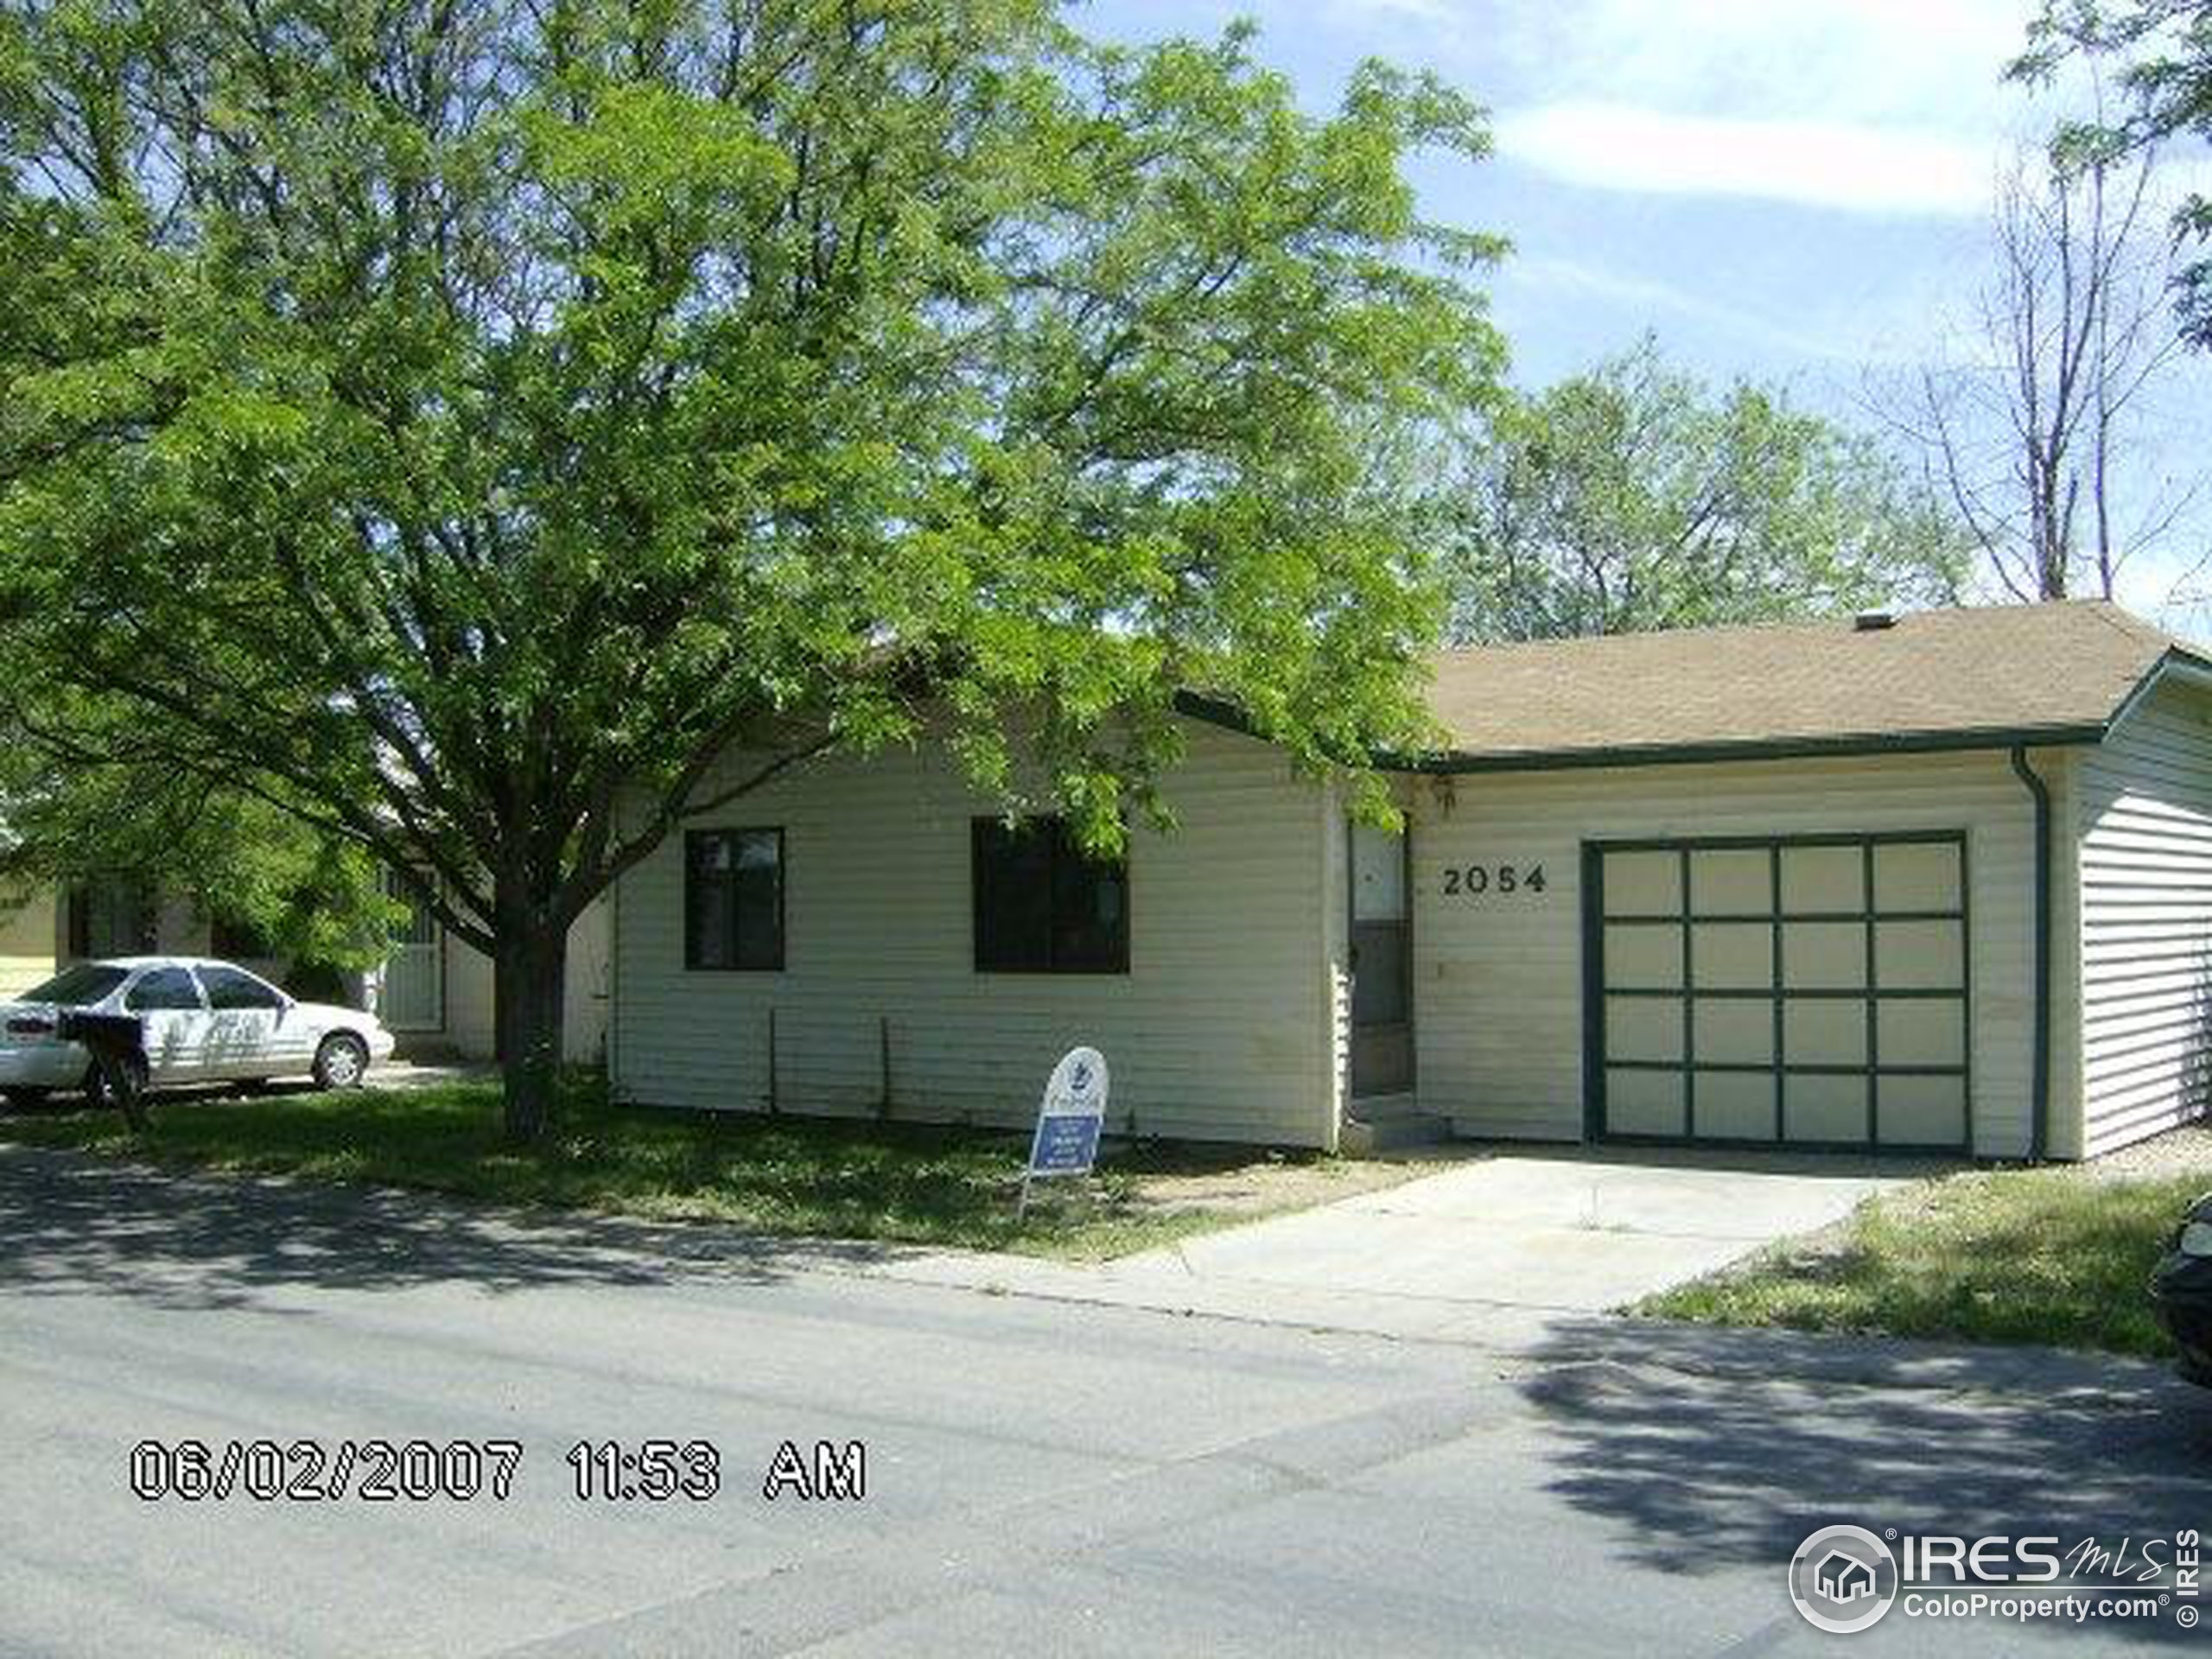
(1382, 965)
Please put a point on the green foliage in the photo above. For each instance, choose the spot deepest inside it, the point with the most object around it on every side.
(1632, 497)
(2166, 48)
(2062, 1257)
(462, 421)
(315, 899)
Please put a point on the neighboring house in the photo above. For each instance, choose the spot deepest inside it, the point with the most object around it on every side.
(434, 992)
(26, 939)
(1771, 886)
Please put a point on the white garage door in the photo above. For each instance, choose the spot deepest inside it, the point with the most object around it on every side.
(1808, 990)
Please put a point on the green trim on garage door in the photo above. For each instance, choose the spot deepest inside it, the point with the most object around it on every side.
(1681, 951)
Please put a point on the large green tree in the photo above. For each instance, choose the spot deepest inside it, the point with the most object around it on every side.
(2164, 48)
(1634, 497)
(456, 423)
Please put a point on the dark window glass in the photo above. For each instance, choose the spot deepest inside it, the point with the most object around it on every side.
(227, 988)
(77, 988)
(164, 988)
(734, 898)
(1043, 906)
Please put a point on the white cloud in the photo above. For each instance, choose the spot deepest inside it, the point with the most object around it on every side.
(1936, 64)
(1826, 164)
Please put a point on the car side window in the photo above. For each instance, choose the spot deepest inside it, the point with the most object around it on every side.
(228, 988)
(162, 989)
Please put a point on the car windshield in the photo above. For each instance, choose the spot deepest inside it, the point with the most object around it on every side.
(77, 988)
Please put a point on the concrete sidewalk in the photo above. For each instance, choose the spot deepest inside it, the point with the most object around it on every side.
(1490, 1251)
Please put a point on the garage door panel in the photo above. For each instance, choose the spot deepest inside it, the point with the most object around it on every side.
(1920, 955)
(1921, 1111)
(1825, 984)
(1643, 884)
(1643, 1028)
(1816, 1106)
(1823, 956)
(1735, 1105)
(1645, 1102)
(1731, 881)
(1732, 956)
(1920, 1031)
(1823, 880)
(1734, 1030)
(1645, 958)
(1824, 1030)
(1917, 875)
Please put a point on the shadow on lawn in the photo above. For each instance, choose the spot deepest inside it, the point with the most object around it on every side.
(1708, 1447)
(73, 1224)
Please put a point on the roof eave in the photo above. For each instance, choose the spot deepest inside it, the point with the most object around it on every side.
(1841, 745)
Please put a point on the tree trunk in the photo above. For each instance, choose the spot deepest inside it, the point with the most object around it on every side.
(529, 986)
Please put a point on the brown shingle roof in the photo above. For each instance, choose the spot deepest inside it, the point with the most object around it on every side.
(1936, 679)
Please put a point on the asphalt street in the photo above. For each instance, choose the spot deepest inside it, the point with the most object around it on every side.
(1039, 1476)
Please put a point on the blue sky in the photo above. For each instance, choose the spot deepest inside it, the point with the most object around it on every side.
(1785, 189)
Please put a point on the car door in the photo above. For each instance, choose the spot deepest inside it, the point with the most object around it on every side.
(247, 1034)
(175, 1016)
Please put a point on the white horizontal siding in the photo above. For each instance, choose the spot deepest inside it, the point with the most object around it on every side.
(1498, 978)
(2144, 820)
(1219, 1030)
(28, 939)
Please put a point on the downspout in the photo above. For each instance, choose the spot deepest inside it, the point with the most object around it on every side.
(2039, 1092)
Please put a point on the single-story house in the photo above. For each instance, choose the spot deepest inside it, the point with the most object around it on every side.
(1939, 882)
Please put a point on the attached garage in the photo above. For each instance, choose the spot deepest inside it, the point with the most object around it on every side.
(1807, 991)
(1936, 883)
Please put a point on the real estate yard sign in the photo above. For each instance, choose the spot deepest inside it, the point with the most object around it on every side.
(1069, 1121)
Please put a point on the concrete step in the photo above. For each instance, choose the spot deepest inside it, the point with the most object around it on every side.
(1388, 1124)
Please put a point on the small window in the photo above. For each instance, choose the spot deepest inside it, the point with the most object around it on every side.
(229, 990)
(1044, 906)
(734, 898)
(161, 989)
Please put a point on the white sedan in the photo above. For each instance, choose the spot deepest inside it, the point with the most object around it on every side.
(205, 1022)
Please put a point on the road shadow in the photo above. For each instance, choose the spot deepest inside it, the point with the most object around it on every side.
(1704, 1448)
(70, 1224)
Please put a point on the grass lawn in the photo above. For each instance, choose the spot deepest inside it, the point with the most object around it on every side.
(2055, 1256)
(786, 1175)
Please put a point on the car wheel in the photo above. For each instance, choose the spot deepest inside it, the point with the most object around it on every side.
(341, 1062)
(24, 1099)
(95, 1086)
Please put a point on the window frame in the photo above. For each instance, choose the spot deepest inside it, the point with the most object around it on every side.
(1061, 844)
(693, 900)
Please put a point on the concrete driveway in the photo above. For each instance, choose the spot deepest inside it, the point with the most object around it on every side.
(1486, 1249)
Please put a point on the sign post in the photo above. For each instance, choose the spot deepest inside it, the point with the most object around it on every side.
(1068, 1122)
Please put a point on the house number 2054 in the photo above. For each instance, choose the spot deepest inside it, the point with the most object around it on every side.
(1472, 880)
